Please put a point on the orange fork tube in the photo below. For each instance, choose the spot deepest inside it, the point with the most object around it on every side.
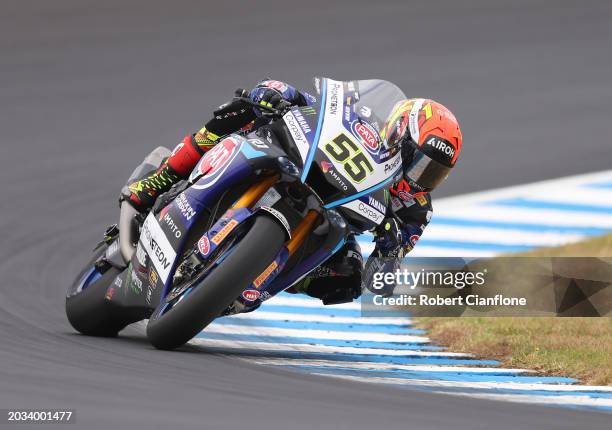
(253, 194)
(302, 231)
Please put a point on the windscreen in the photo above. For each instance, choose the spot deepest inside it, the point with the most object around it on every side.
(374, 98)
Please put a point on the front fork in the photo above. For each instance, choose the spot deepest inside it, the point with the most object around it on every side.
(238, 213)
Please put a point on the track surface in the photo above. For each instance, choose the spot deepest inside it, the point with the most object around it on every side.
(87, 88)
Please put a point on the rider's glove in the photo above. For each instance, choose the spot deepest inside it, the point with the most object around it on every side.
(389, 239)
(391, 245)
(276, 94)
(378, 264)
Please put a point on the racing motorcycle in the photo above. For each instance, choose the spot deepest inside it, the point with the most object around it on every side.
(258, 213)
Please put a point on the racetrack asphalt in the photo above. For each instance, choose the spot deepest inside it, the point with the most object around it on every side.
(87, 88)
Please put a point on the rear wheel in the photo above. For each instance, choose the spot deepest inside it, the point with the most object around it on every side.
(87, 308)
(196, 308)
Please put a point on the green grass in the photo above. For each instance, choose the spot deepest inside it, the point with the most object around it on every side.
(575, 347)
(597, 247)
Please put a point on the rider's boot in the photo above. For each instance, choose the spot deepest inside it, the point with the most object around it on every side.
(142, 193)
(338, 280)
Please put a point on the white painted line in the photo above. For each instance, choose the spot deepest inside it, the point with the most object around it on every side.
(254, 330)
(306, 302)
(576, 195)
(322, 318)
(498, 235)
(476, 385)
(523, 190)
(366, 365)
(326, 349)
(541, 400)
(434, 251)
(516, 215)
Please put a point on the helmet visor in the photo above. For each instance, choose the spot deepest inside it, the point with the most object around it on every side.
(426, 172)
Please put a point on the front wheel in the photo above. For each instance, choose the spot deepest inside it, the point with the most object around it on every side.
(248, 258)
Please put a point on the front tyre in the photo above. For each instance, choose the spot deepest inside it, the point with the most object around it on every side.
(219, 289)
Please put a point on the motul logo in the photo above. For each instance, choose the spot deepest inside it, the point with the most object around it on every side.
(441, 146)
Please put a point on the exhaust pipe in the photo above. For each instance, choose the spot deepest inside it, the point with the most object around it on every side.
(127, 241)
(128, 235)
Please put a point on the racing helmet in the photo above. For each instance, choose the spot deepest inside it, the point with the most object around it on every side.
(430, 140)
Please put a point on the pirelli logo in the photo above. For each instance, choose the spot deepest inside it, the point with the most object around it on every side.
(218, 238)
(265, 274)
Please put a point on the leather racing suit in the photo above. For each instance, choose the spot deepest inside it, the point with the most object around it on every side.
(340, 278)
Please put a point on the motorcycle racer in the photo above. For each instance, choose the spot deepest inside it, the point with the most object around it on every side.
(430, 140)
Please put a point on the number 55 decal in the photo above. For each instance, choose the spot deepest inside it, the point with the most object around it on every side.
(344, 150)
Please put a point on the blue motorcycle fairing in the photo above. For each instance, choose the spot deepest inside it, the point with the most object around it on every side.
(234, 162)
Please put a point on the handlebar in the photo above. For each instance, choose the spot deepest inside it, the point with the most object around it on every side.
(283, 107)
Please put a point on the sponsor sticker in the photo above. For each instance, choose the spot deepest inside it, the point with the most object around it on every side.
(251, 295)
(365, 111)
(328, 167)
(109, 293)
(174, 228)
(153, 278)
(222, 234)
(396, 204)
(265, 274)
(141, 255)
(297, 133)
(405, 196)
(370, 213)
(217, 157)
(335, 96)
(215, 162)
(413, 239)
(377, 204)
(184, 206)
(204, 245)
(367, 135)
(136, 284)
(258, 143)
(157, 246)
(365, 210)
(278, 215)
(277, 85)
(392, 165)
(413, 119)
(422, 200)
(302, 121)
(441, 145)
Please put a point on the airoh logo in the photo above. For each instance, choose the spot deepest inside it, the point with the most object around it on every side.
(441, 145)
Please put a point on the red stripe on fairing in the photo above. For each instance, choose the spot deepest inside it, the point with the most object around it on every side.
(185, 156)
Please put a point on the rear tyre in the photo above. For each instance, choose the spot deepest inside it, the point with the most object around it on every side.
(87, 308)
(249, 258)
